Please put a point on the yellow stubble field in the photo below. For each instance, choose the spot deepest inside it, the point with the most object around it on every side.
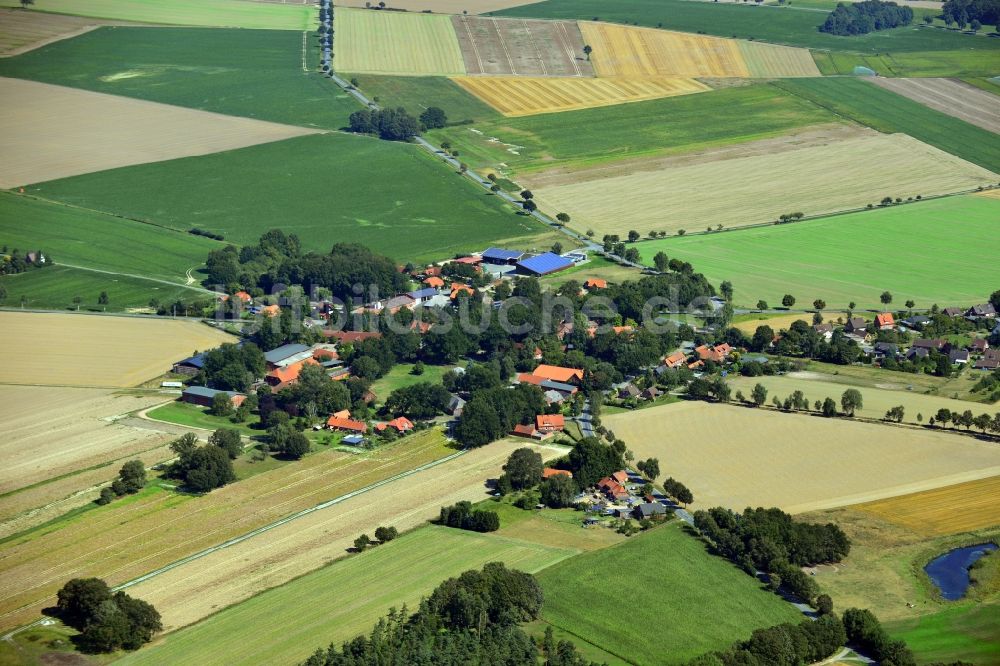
(963, 507)
(626, 51)
(42, 349)
(526, 96)
(738, 456)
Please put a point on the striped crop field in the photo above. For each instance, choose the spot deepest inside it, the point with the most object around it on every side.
(963, 507)
(623, 51)
(771, 60)
(755, 189)
(374, 42)
(526, 96)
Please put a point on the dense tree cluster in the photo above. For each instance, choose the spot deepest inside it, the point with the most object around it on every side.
(131, 479)
(523, 469)
(860, 18)
(769, 540)
(277, 259)
(591, 460)
(464, 516)
(471, 619)
(805, 643)
(232, 367)
(433, 117)
(558, 491)
(987, 12)
(492, 413)
(864, 630)
(678, 491)
(106, 621)
(389, 124)
(802, 340)
(202, 468)
(422, 400)
(14, 261)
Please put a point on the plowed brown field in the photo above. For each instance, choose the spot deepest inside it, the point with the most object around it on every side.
(955, 98)
(521, 47)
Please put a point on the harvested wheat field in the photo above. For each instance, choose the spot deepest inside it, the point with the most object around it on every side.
(963, 507)
(524, 96)
(377, 42)
(950, 96)
(193, 591)
(22, 31)
(96, 351)
(444, 6)
(130, 538)
(624, 51)
(51, 132)
(706, 192)
(50, 432)
(738, 456)
(521, 47)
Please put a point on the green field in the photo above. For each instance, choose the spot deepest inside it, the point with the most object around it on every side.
(336, 603)
(90, 239)
(658, 598)
(250, 73)
(213, 13)
(909, 250)
(676, 125)
(888, 112)
(54, 288)
(396, 43)
(401, 377)
(909, 63)
(780, 25)
(416, 93)
(963, 632)
(326, 188)
(194, 416)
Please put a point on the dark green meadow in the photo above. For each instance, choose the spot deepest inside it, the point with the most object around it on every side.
(249, 73)
(674, 125)
(326, 188)
(416, 93)
(658, 598)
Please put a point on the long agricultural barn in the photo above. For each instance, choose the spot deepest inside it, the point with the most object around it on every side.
(543, 264)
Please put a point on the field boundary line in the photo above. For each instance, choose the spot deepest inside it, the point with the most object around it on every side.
(263, 529)
(286, 520)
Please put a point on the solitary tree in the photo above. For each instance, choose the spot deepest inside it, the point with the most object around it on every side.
(851, 401)
(25, 3)
(761, 305)
(886, 298)
(76, 301)
(759, 395)
(909, 304)
(587, 50)
(563, 218)
(661, 262)
(530, 206)
(384, 534)
(222, 404)
(361, 542)
(633, 236)
(524, 468)
(527, 195)
(819, 304)
(103, 298)
(788, 300)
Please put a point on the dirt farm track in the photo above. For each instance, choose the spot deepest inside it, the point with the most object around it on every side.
(95, 351)
(738, 457)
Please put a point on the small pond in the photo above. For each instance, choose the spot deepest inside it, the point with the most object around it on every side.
(950, 572)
